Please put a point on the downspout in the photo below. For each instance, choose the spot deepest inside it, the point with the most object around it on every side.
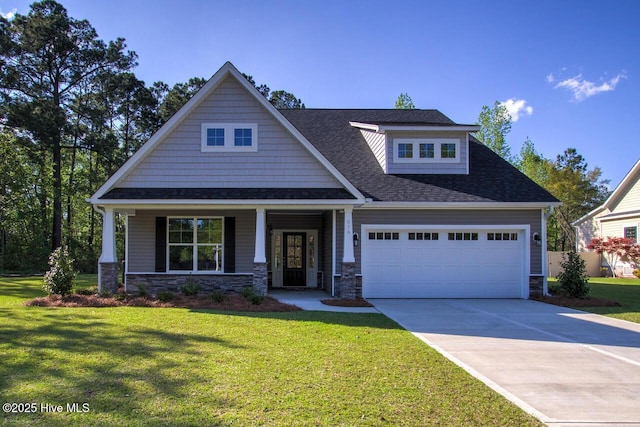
(545, 260)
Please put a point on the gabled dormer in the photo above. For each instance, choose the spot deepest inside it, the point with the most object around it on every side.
(419, 148)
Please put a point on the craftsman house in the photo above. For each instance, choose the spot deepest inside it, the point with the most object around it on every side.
(233, 193)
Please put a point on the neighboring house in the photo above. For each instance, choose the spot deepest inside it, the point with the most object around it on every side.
(618, 216)
(234, 193)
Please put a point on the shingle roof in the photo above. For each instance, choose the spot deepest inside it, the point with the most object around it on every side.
(490, 178)
(228, 194)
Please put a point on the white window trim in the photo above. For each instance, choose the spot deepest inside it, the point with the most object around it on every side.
(229, 129)
(194, 267)
(437, 143)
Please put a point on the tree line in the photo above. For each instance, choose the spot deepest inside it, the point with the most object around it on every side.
(72, 111)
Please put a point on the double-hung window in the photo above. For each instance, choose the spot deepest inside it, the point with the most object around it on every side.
(229, 137)
(195, 244)
(631, 233)
(421, 150)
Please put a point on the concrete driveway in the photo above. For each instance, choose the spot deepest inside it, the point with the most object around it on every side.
(565, 367)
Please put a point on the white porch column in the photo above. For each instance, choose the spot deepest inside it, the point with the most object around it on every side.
(348, 255)
(107, 265)
(108, 236)
(261, 220)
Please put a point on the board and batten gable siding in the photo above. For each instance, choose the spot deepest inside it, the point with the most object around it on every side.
(141, 237)
(458, 167)
(280, 162)
(630, 201)
(377, 143)
(441, 217)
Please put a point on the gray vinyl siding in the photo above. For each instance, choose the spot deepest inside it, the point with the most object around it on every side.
(281, 161)
(459, 167)
(377, 143)
(442, 217)
(141, 237)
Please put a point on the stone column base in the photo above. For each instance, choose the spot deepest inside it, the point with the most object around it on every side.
(346, 285)
(108, 277)
(260, 278)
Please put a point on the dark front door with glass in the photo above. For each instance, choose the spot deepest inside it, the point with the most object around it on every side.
(294, 271)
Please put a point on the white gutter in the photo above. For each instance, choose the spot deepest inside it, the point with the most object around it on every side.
(456, 205)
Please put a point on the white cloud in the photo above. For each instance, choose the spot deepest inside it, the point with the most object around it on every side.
(582, 89)
(517, 108)
(8, 15)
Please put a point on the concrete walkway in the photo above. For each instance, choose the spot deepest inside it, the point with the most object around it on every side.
(310, 300)
(565, 367)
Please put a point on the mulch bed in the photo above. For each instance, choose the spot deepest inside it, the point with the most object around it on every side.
(231, 303)
(337, 302)
(566, 301)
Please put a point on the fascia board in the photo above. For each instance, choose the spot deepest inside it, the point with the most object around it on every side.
(389, 128)
(130, 205)
(458, 205)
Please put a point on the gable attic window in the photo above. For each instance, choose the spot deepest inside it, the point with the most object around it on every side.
(421, 150)
(230, 137)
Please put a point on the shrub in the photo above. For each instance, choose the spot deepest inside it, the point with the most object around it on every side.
(191, 289)
(61, 275)
(218, 297)
(636, 273)
(121, 296)
(165, 296)
(573, 279)
(91, 290)
(105, 294)
(251, 296)
(142, 291)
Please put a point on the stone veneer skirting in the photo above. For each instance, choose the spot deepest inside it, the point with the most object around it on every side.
(346, 283)
(536, 284)
(260, 278)
(209, 283)
(108, 277)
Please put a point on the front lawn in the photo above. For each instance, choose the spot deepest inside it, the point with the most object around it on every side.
(624, 291)
(175, 366)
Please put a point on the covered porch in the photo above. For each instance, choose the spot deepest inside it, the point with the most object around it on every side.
(228, 248)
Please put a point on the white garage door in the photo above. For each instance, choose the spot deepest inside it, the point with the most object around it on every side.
(443, 263)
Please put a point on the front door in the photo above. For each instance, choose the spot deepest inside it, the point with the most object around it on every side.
(294, 271)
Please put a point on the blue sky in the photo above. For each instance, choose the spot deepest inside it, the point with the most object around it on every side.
(569, 70)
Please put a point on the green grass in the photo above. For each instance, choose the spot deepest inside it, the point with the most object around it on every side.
(624, 291)
(150, 366)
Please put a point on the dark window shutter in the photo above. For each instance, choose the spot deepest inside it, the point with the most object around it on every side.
(161, 244)
(229, 244)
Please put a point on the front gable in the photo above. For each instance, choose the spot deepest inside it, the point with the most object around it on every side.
(184, 160)
(259, 149)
